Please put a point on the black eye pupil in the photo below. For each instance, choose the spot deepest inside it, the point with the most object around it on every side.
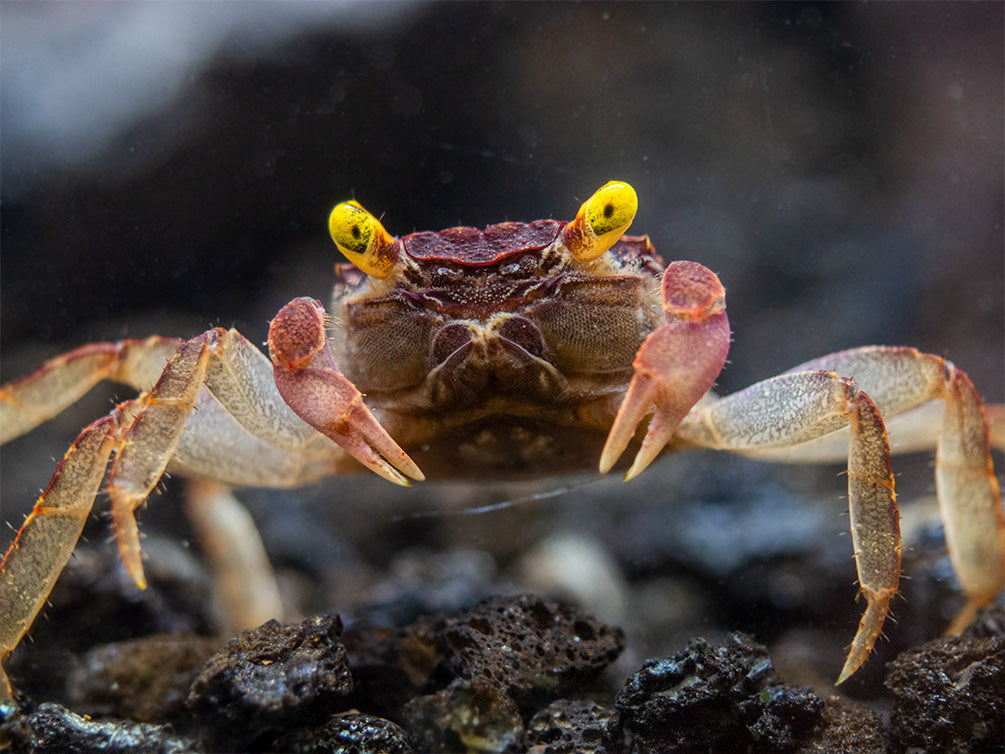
(608, 210)
(356, 232)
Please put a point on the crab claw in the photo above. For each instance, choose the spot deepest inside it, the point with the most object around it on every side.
(674, 367)
(318, 393)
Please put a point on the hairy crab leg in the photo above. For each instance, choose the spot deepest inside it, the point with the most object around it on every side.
(675, 366)
(969, 498)
(796, 407)
(151, 441)
(61, 381)
(313, 387)
(145, 450)
(46, 540)
(900, 379)
(180, 425)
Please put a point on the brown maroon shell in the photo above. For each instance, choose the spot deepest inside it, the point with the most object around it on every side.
(477, 246)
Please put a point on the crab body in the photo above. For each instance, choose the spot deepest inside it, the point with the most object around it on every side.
(520, 348)
(493, 345)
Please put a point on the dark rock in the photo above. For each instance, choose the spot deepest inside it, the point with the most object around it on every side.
(469, 680)
(348, 733)
(15, 730)
(950, 693)
(52, 728)
(534, 649)
(786, 714)
(715, 699)
(573, 727)
(988, 623)
(846, 727)
(146, 680)
(273, 676)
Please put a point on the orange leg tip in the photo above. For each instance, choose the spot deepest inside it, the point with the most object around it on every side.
(137, 575)
(869, 629)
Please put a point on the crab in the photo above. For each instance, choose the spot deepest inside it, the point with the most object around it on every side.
(517, 349)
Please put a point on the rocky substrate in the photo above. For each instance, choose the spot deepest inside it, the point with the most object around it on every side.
(593, 624)
(510, 674)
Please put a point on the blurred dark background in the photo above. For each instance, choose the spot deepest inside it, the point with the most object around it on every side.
(839, 165)
(169, 167)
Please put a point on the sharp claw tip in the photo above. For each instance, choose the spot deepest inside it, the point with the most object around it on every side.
(608, 458)
(640, 464)
(136, 574)
(401, 477)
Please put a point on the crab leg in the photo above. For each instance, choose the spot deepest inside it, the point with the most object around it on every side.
(26, 403)
(796, 407)
(146, 449)
(675, 365)
(313, 387)
(254, 418)
(245, 585)
(899, 379)
(241, 432)
(905, 384)
(995, 413)
(46, 540)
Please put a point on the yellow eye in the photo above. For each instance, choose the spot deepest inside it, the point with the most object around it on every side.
(360, 236)
(601, 221)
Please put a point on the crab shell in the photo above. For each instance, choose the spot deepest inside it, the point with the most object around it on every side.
(496, 344)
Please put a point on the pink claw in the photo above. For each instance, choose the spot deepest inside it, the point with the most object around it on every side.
(318, 393)
(675, 366)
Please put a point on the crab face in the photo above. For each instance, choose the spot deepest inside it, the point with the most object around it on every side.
(510, 319)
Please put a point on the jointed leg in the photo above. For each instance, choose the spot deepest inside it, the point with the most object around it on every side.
(793, 408)
(244, 411)
(46, 540)
(26, 403)
(148, 444)
(48, 536)
(900, 379)
(142, 432)
(969, 498)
